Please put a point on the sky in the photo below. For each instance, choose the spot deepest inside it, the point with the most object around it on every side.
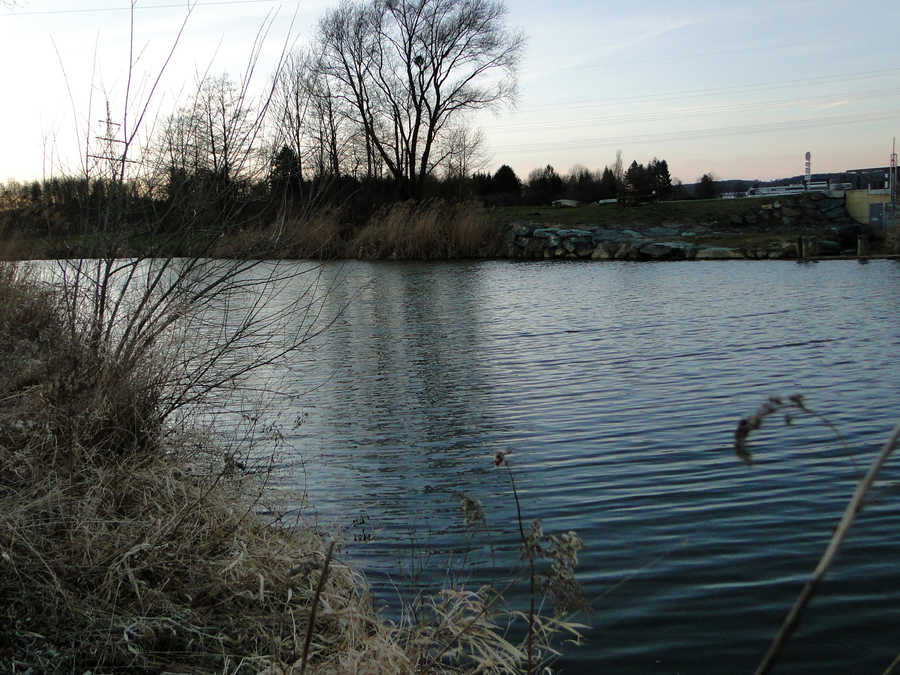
(741, 90)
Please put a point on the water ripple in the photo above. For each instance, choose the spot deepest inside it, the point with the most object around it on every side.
(618, 387)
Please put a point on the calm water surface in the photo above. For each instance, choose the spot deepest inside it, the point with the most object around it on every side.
(617, 388)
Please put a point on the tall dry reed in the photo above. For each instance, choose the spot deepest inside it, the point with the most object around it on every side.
(430, 230)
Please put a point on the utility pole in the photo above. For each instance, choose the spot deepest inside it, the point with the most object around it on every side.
(893, 183)
(110, 152)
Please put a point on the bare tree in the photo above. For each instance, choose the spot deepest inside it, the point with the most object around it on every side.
(406, 69)
(208, 152)
(461, 152)
(292, 105)
(618, 169)
(195, 323)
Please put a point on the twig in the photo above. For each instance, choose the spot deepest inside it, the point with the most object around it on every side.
(312, 613)
(530, 553)
(853, 508)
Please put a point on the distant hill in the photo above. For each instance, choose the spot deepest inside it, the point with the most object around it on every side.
(860, 178)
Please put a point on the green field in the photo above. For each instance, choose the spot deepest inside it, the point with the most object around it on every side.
(693, 212)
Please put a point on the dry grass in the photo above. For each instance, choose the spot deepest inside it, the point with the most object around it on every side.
(611, 215)
(432, 230)
(127, 547)
(12, 246)
(312, 236)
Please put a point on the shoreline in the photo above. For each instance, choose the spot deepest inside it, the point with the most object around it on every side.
(804, 227)
(133, 542)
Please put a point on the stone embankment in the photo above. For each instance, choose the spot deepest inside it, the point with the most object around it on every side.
(817, 223)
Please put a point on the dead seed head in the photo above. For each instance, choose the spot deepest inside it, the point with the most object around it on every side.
(773, 405)
(471, 508)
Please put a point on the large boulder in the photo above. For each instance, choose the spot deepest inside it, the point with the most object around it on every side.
(573, 232)
(662, 231)
(602, 234)
(667, 250)
(521, 229)
(657, 251)
(534, 248)
(601, 252)
(718, 253)
(544, 232)
(522, 242)
(627, 251)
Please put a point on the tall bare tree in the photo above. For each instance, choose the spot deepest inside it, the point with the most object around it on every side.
(461, 152)
(405, 69)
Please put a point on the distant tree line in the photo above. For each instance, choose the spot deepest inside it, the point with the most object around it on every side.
(203, 178)
(374, 111)
(638, 184)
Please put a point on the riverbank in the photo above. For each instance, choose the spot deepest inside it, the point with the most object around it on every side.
(801, 226)
(127, 544)
(804, 226)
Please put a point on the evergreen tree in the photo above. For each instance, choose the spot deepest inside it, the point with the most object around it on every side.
(285, 179)
(608, 186)
(706, 187)
(482, 184)
(544, 185)
(660, 178)
(639, 180)
(506, 181)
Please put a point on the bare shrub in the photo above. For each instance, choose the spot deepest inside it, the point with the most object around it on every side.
(129, 535)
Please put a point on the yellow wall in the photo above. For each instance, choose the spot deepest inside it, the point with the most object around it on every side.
(858, 203)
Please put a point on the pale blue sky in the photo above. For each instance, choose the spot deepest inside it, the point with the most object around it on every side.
(742, 91)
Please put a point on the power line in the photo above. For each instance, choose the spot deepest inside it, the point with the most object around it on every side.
(695, 134)
(689, 112)
(745, 88)
(137, 7)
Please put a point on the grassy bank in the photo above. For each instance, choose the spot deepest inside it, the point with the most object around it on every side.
(130, 545)
(685, 213)
(429, 230)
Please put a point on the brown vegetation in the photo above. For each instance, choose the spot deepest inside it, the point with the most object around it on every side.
(428, 231)
(131, 546)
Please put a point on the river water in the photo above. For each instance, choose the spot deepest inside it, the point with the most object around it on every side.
(617, 388)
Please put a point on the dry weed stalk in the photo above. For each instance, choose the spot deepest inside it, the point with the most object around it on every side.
(143, 556)
(125, 546)
(854, 506)
(118, 549)
(560, 583)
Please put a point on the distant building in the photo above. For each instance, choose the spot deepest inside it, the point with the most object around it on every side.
(792, 189)
(874, 178)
